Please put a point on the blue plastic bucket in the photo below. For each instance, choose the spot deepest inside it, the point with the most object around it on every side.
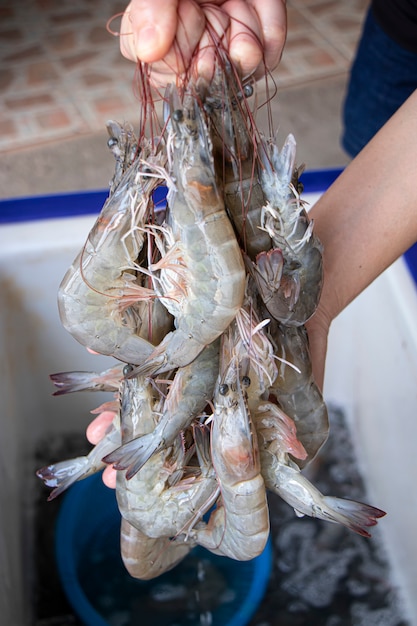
(102, 593)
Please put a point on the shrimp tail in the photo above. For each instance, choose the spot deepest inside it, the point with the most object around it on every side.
(176, 350)
(133, 455)
(65, 473)
(69, 382)
(62, 475)
(356, 516)
(306, 499)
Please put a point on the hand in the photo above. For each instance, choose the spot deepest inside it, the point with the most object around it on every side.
(168, 33)
(96, 430)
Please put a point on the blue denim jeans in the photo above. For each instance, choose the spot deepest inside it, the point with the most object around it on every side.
(382, 77)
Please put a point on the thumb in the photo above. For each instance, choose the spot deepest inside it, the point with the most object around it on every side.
(148, 29)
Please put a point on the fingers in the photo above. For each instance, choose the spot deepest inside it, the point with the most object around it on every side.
(163, 33)
(167, 33)
(217, 26)
(256, 33)
(272, 16)
(109, 477)
(191, 23)
(245, 36)
(148, 29)
(96, 430)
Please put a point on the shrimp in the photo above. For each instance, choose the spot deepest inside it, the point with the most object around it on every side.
(207, 259)
(289, 276)
(123, 143)
(239, 526)
(236, 159)
(189, 393)
(97, 296)
(255, 347)
(63, 474)
(69, 382)
(145, 557)
(152, 505)
(295, 389)
(284, 478)
(255, 353)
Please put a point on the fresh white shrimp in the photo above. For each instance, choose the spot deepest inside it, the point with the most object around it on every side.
(123, 143)
(145, 557)
(207, 257)
(69, 382)
(290, 275)
(158, 509)
(255, 353)
(235, 150)
(295, 389)
(189, 393)
(62, 475)
(98, 297)
(284, 478)
(277, 431)
(239, 525)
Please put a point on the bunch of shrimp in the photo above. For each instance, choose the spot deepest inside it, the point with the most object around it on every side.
(203, 305)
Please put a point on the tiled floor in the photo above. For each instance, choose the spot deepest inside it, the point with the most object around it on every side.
(322, 37)
(62, 75)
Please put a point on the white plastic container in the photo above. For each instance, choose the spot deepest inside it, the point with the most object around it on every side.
(371, 375)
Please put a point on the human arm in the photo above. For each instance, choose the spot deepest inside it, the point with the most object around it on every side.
(167, 34)
(365, 221)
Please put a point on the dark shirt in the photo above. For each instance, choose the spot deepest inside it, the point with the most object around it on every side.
(398, 19)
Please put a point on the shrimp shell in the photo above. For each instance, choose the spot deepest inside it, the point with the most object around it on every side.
(295, 388)
(209, 261)
(145, 557)
(285, 479)
(95, 294)
(123, 144)
(236, 159)
(62, 475)
(189, 393)
(239, 526)
(290, 275)
(152, 505)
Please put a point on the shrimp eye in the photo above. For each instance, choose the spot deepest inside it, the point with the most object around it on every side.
(223, 389)
(245, 381)
(111, 141)
(127, 370)
(177, 115)
(248, 90)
